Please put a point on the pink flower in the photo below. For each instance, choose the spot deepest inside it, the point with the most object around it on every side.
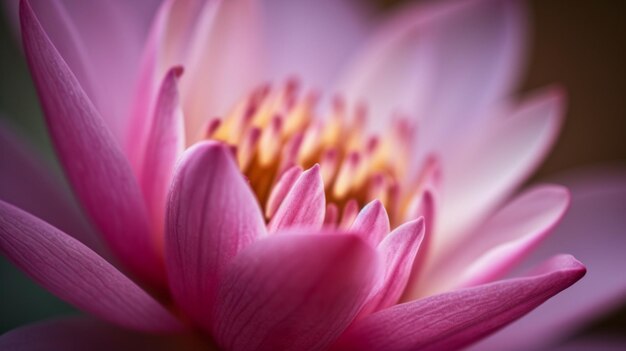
(271, 228)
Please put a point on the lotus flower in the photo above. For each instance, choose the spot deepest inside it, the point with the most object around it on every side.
(273, 216)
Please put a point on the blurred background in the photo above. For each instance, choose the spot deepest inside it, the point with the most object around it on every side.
(579, 44)
(582, 46)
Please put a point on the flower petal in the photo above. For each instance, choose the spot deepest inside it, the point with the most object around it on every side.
(224, 61)
(398, 251)
(30, 183)
(101, 42)
(164, 146)
(429, 58)
(424, 208)
(281, 189)
(494, 161)
(592, 229)
(372, 222)
(212, 214)
(304, 205)
(78, 275)
(455, 319)
(166, 47)
(95, 166)
(84, 333)
(502, 241)
(298, 30)
(293, 292)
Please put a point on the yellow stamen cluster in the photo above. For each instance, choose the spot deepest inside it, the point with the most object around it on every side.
(273, 130)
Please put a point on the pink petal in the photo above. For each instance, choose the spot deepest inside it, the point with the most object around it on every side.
(212, 214)
(304, 205)
(426, 209)
(503, 240)
(84, 333)
(455, 319)
(224, 61)
(494, 161)
(281, 189)
(293, 292)
(97, 169)
(164, 146)
(593, 229)
(78, 275)
(30, 183)
(101, 42)
(428, 59)
(166, 47)
(298, 30)
(372, 222)
(398, 251)
(428, 180)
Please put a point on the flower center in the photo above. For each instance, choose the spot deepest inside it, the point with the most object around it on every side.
(274, 129)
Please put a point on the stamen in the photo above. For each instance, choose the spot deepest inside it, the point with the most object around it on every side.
(212, 125)
(310, 142)
(248, 147)
(329, 163)
(278, 134)
(289, 157)
(350, 211)
(300, 115)
(347, 172)
(332, 215)
(270, 144)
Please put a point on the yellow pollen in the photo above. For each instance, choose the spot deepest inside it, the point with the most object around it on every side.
(274, 129)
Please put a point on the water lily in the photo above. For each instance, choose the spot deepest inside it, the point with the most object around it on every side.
(369, 211)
